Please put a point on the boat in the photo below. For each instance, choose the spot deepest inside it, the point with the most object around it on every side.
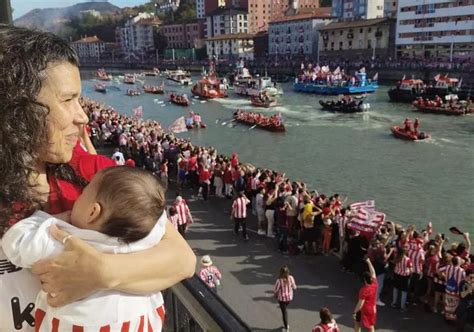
(179, 76)
(438, 107)
(133, 92)
(263, 102)
(201, 126)
(358, 85)
(354, 105)
(102, 75)
(273, 123)
(209, 87)
(407, 91)
(155, 72)
(445, 86)
(180, 100)
(100, 88)
(399, 132)
(153, 89)
(129, 79)
(254, 86)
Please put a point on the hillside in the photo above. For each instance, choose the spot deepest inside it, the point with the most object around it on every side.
(52, 19)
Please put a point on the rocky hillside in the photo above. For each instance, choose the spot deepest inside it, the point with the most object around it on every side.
(52, 19)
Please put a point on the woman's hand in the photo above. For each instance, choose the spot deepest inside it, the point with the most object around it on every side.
(72, 275)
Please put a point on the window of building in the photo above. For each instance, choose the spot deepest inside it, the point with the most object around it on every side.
(341, 45)
(361, 43)
(361, 30)
(370, 30)
(332, 46)
(349, 43)
(340, 33)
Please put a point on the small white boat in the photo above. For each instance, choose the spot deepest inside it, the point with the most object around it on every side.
(179, 76)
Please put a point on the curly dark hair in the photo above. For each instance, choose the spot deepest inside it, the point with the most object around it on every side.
(24, 54)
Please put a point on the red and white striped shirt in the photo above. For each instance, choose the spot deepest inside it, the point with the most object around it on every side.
(283, 289)
(174, 220)
(330, 327)
(404, 267)
(455, 272)
(150, 322)
(254, 183)
(184, 215)
(417, 257)
(239, 208)
(431, 265)
(210, 275)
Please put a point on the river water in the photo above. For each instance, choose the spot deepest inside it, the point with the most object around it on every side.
(354, 155)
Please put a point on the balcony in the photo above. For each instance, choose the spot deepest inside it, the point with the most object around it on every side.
(192, 307)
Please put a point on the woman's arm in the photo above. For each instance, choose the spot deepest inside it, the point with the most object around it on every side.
(358, 306)
(81, 270)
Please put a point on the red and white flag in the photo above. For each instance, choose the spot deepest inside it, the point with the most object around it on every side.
(367, 205)
(138, 112)
(376, 77)
(437, 77)
(179, 126)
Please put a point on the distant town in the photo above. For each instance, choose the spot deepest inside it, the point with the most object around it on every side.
(380, 32)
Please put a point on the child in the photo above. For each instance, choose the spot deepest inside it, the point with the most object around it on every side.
(120, 211)
(209, 273)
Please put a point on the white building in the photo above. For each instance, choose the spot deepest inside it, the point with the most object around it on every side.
(231, 46)
(297, 34)
(226, 21)
(353, 10)
(200, 9)
(435, 28)
(137, 34)
(167, 6)
(89, 47)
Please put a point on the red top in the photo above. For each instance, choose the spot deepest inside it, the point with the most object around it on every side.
(192, 163)
(227, 176)
(368, 293)
(63, 194)
(130, 163)
(204, 175)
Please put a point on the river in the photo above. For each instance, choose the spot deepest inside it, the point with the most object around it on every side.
(354, 155)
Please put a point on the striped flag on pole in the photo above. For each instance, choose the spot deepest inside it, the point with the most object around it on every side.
(367, 205)
(179, 126)
(138, 112)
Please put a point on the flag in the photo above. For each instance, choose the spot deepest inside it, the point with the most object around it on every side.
(337, 71)
(138, 112)
(362, 70)
(376, 77)
(437, 77)
(368, 205)
(403, 78)
(459, 83)
(179, 126)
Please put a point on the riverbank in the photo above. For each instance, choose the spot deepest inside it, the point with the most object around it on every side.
(386, 75)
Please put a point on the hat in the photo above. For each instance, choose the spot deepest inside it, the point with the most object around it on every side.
(206, 260)
(326, 211)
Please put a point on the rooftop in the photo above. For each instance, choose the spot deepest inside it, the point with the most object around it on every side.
(232, 36)
(315, 13)
(86, 39)
(354, 24)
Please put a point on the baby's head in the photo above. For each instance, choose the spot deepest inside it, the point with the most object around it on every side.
(122, 202)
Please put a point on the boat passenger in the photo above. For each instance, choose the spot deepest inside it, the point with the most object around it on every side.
(416, 125)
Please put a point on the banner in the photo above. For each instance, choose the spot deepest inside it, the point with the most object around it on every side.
(138, 112)
(179, 126)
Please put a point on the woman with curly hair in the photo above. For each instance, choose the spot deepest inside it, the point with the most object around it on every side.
(43, 166)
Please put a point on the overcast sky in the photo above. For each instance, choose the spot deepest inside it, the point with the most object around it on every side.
(21, 7)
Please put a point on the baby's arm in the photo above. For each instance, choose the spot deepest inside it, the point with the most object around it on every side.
(29, 240)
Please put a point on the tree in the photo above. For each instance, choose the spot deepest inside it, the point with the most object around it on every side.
(160, 41)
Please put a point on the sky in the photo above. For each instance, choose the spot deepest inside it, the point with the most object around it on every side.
(21, 7)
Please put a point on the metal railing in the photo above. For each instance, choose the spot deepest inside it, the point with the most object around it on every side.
(192, 307)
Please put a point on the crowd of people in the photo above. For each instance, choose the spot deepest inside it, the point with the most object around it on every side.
(416, 265)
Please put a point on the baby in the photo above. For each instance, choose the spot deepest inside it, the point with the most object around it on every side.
(120, 211)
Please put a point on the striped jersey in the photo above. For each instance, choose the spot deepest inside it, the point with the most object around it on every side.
(210, 275)
(404, 267)
(417, 257)
(330, 327)
(184, 214)
(239, 208)
(283, 289)
(174, 220)
(454, 276)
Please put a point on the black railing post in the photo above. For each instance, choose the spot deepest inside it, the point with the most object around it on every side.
(5, 12)
(174, 306)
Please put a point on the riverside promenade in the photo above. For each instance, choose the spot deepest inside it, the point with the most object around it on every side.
(250, 269)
